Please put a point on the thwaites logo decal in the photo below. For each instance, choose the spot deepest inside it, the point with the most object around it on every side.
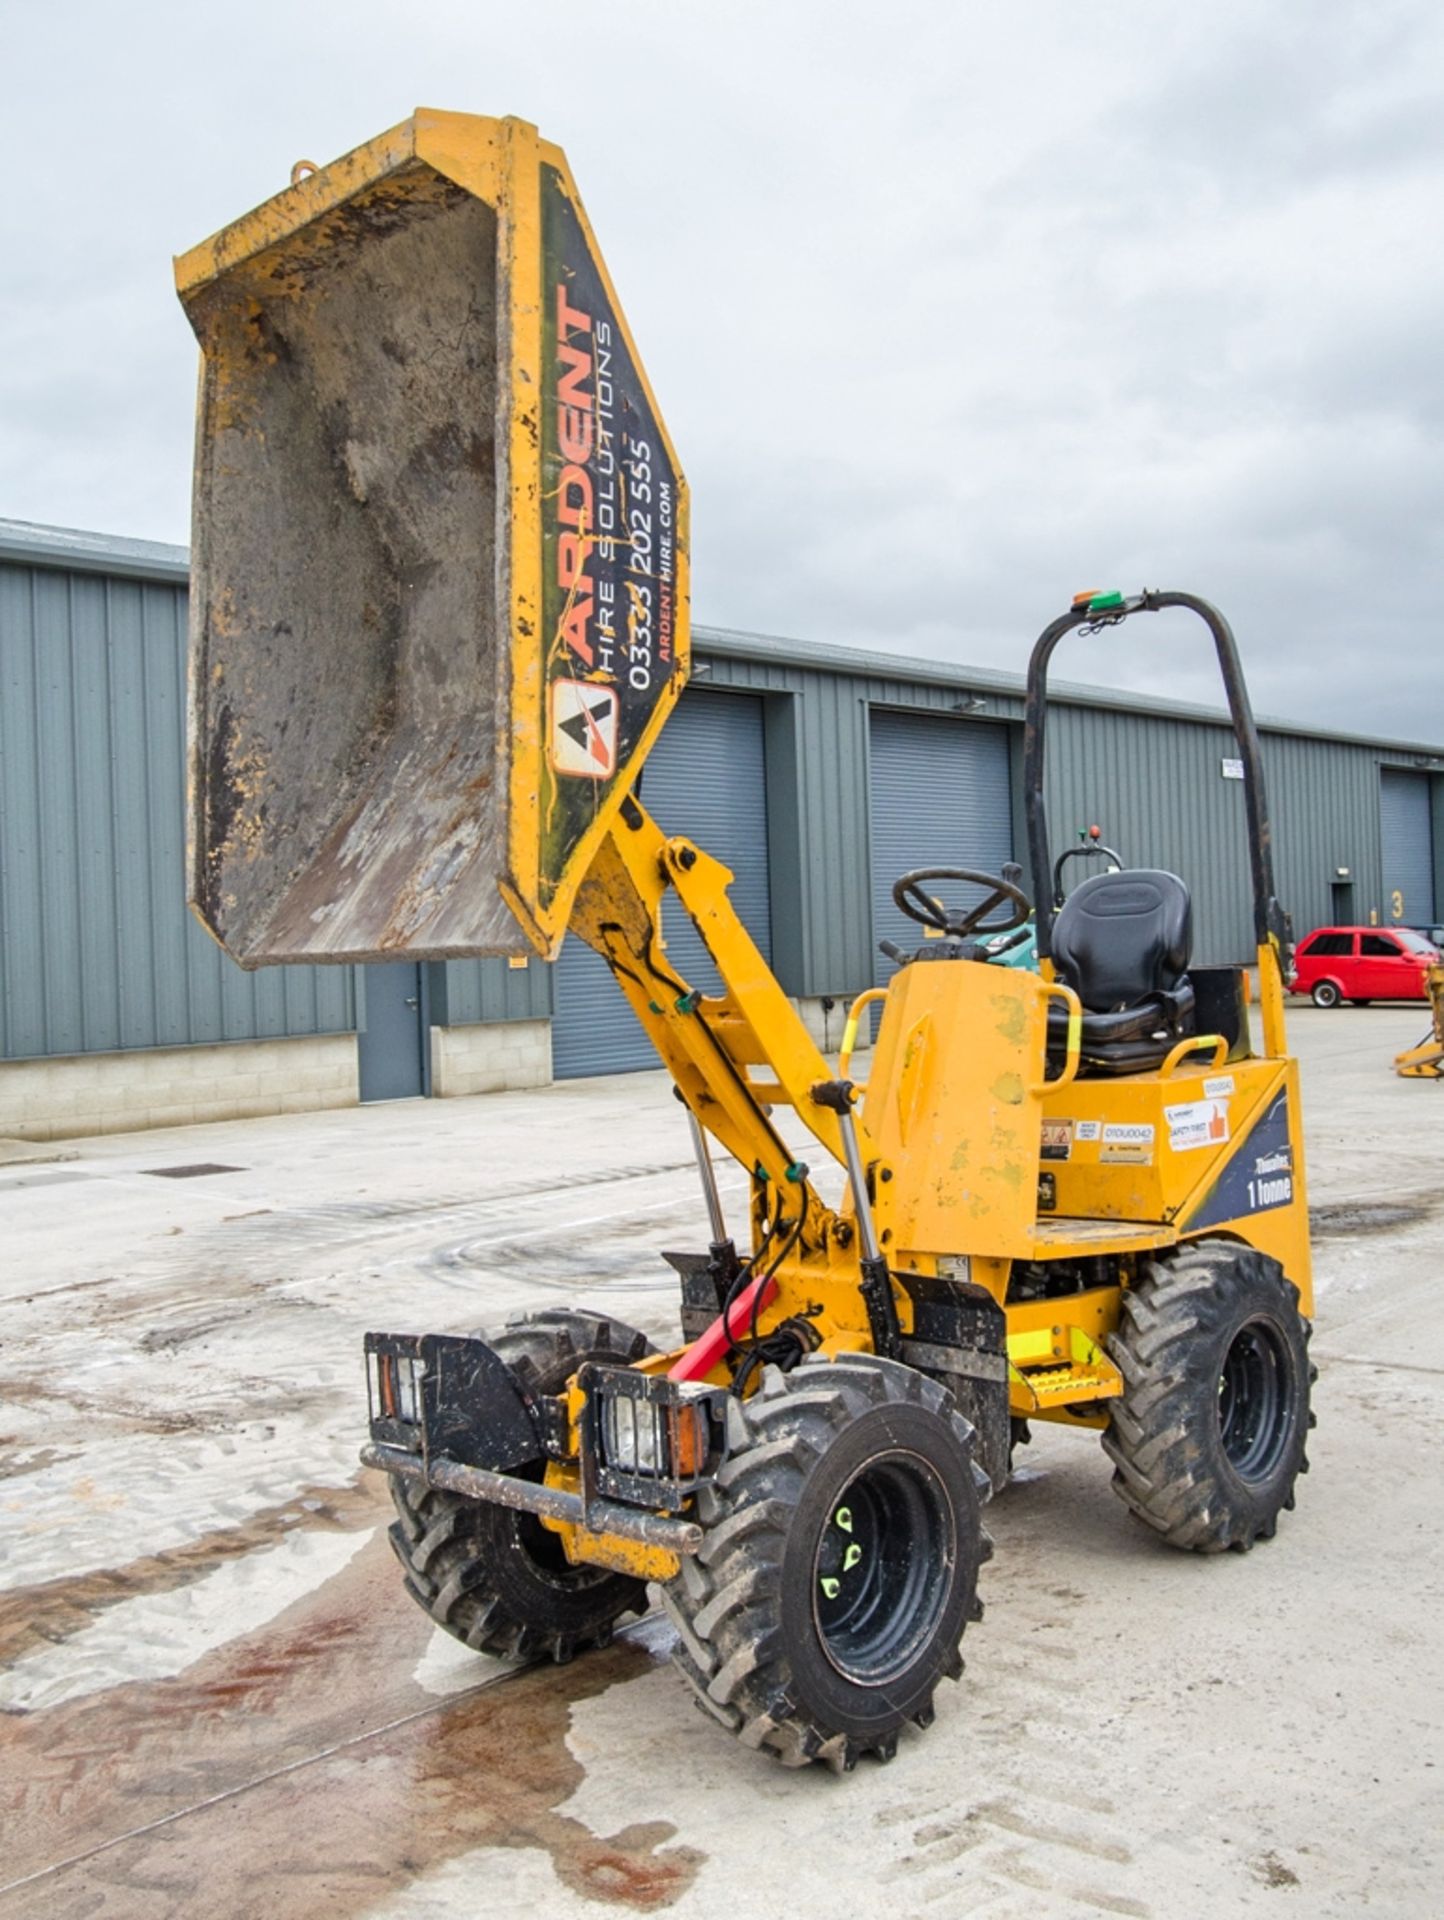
(1258, 1177)
(609, 504)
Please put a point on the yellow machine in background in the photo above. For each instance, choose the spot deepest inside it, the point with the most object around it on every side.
(439, 617)
(1426, 1061)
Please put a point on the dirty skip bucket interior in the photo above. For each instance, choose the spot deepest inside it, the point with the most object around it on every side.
(414, 372)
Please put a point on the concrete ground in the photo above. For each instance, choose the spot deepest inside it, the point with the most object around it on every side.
(219, 1702)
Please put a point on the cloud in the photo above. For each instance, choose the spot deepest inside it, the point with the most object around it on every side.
(950, 311)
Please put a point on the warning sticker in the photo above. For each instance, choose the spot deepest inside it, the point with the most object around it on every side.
(1057, 1139)
(1196, 1123)
(1129, 1144)
(583, 729)
(1087, 1130)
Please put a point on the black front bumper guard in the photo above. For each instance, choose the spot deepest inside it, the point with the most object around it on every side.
(446, 1410)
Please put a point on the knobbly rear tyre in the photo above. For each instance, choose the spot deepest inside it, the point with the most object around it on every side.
(498, 1579)
(1209, 1436)
(840, 1563)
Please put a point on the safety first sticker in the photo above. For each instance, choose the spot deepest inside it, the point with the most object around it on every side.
(583, 729)
(1128, 1143)
(1196, 1123)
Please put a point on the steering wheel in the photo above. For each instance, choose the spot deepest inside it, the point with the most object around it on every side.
(909, 898)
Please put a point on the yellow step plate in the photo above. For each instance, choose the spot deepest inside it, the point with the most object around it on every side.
(1087, 1374)
(1062, 1385)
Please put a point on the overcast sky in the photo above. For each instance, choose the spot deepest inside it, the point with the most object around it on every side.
(951, 309)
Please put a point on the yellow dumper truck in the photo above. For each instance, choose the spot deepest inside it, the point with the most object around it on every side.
(439, 617)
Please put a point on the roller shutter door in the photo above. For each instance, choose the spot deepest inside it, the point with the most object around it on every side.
(705, 779)
(939, 798)
(1408, 845)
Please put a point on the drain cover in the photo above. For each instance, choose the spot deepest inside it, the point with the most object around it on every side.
(189, 1173)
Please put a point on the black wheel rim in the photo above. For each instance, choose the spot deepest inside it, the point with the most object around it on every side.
(546, 1556)
(541, 1550)
(885, 1562)
(1254, 1413)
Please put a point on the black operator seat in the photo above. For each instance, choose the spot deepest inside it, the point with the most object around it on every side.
(1123, 941)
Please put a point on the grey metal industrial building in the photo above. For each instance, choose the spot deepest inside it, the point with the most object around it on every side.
(817, 774)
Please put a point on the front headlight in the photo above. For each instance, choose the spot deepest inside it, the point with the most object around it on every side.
(632, 1435)
(646, 1436)
(398, 1387)
(408, 1389)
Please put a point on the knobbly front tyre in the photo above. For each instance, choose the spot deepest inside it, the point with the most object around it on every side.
(839, 1568)
(1210, 1433)
(498, 1579)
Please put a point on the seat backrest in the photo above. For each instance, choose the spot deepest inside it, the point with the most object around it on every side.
(1122, 936)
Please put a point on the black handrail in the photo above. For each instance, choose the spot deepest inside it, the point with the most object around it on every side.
(1270, 920)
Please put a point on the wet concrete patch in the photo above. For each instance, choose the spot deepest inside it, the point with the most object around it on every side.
(32, 1617)
(41, 1394)
(1367, 1216)
(300, 1772)
(13, 1466)
(158, 1635)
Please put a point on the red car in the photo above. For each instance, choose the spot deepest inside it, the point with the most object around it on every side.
(1362, 964)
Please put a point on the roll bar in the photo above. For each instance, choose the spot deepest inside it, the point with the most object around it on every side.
(1097, 610)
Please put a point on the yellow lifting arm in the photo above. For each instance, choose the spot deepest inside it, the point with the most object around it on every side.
(709, 1043)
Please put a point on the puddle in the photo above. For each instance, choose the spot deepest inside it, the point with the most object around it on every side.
(55, 1610)
(301, 1772)
(149, 1419)
(13, 1466)
(1366, 1216)
(167, 1339)
(156, 1635)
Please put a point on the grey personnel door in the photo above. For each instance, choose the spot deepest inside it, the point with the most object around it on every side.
(391, 1043)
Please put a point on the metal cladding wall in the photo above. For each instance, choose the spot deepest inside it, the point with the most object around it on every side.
(1156, 788)
(97, 949)
(1152, 778)
(98, 953)
(1155, 785)
(475, 991)
(816, 727)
